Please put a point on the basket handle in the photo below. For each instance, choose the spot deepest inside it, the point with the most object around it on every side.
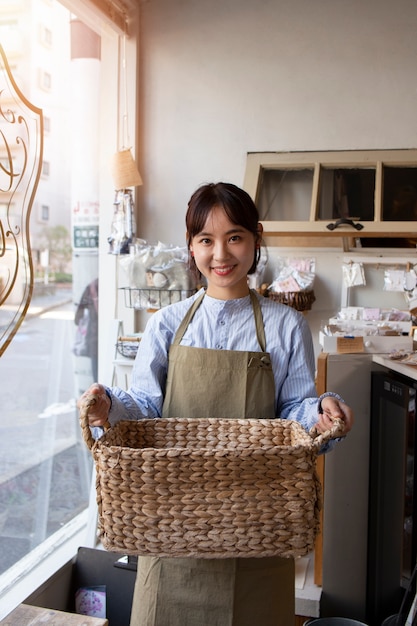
(87, 403)
(337, 430)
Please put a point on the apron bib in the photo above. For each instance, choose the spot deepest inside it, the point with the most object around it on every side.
(219, 383)
(216, 592)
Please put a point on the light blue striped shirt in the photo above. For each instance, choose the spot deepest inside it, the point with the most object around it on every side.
(224, 325)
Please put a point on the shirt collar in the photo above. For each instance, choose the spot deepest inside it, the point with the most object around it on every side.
(230, 305)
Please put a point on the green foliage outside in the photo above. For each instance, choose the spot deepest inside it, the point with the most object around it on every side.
(57, 240)
(61, 277)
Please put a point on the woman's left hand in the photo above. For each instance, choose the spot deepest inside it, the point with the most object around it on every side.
(332, 409)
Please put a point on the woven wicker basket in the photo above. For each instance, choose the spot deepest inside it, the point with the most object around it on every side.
(214, 488)
(300, 300)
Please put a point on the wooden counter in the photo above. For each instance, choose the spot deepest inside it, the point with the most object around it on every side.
(27, 615)
(396, 366)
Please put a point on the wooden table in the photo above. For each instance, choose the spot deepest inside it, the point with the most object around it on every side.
(26, 615)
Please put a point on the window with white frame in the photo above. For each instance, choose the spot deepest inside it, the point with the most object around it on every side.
(45, 168)
(45, 36)
(45, 467)
(45, 80)
(44, 212)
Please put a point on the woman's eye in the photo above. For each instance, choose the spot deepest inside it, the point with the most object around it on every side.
(235, 238)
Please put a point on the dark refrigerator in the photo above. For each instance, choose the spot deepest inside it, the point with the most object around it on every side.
(392, 498)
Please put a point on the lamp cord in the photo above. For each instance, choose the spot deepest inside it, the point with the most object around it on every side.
(125, 125)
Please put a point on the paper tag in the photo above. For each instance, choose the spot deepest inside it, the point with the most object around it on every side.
(371, 314)
(349, 345)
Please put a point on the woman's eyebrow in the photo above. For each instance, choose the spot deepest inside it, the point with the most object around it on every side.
(238, 229)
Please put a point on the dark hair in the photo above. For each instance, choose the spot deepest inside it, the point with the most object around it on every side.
(237, 204)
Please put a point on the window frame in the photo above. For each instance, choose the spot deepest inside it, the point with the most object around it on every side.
(258, 162)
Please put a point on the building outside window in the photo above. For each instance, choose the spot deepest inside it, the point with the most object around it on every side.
(45, 168)
(44, 212)
(45, 80)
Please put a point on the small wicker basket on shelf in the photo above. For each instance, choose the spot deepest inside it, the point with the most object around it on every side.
(127, 346)
(300, 300)
(207, 488)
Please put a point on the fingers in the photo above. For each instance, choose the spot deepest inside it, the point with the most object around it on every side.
(347, 416)
(343, 412)
(334, 409)
(98, 403)
(94, 390)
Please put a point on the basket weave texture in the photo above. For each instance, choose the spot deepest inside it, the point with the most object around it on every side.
(207, 488)
(299, 300)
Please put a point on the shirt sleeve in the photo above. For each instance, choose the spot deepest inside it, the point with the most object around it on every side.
(292, 354)
(293, 358)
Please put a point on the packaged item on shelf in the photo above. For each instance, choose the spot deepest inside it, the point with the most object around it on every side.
(293, 284)
(158, 275)
(394, 280)
(353, 274)
(365, 329)
(368, 318)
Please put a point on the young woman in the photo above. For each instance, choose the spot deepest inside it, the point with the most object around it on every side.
(224, 352)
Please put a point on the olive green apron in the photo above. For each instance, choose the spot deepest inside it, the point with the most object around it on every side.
(216, 592)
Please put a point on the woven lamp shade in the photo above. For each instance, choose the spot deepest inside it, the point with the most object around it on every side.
(124, 170)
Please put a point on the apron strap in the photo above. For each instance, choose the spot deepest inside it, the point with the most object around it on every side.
(187, 319)
(260, 330)
(259, 322)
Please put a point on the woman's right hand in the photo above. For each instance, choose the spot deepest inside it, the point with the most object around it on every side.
(98, 413)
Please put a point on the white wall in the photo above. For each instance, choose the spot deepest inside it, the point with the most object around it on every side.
(222, 78)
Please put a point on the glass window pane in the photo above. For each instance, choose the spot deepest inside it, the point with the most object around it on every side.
(399, 194)
(45, 466)
(285, 194)
(347, 193)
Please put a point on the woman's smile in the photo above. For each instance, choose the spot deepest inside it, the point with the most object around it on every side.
(223, 270)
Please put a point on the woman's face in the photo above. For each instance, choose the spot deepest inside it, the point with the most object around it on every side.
(224, 253)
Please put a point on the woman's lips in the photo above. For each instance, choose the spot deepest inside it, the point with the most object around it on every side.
(223, 271)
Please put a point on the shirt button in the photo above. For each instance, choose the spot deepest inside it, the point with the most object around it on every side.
(219, 346)
(222, 323)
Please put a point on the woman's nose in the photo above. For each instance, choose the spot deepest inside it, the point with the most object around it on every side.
(220, 250)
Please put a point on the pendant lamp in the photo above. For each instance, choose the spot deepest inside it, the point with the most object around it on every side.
(125, 176)
(123, 226)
